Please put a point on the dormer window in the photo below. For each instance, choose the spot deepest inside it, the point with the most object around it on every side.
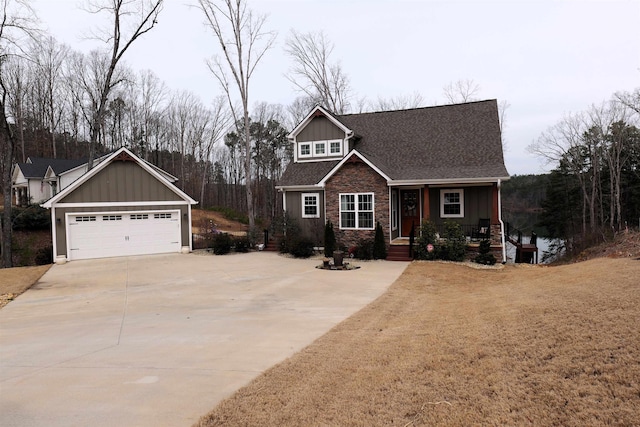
(335, 147)
(320, 148)
(305, 149)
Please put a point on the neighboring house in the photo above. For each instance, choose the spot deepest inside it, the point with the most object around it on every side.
(39, 178)
(397, 168)
(123, 206)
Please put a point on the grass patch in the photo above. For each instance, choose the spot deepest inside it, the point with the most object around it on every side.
(231, 214)
(14, 281)
(451, 345)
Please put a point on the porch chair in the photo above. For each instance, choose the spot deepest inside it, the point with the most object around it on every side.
(483, 230)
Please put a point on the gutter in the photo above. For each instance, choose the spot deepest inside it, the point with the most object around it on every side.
(504, 248)
(447, 181)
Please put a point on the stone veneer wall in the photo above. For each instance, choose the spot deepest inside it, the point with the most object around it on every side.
(357, 177)
(495, 236)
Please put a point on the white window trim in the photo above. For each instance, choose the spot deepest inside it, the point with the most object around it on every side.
(317, 197)
(452, 190)
(320, 143)
(356, 211)
(339, 152)
(305, 156)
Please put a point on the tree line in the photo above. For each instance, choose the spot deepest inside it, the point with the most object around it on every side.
(594, 188)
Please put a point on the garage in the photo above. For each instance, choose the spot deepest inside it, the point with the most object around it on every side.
(124, 206)
(122, 234)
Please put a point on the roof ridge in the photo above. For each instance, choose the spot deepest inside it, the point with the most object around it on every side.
(417, 108)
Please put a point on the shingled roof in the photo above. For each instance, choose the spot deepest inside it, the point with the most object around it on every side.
(36, 167)
(448, 142)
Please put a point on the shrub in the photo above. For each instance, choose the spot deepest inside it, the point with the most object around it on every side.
(364, 249)
(329, 239)
(286, 230)
(484, 256)
(379, 244)
(221, 244)
(301, 247)
(31, 218)
(426, 236)
(44, 255)
(242, 244)
(454, 245)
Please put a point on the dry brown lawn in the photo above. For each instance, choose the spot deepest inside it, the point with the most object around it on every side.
(14, 281)
(452, 345)
(201, 217)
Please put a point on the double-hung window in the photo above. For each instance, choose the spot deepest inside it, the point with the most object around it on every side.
(310, 205)
(356, 211)
(452, 203)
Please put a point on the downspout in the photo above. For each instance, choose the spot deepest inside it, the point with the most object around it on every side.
(504, 248)
(390, 225)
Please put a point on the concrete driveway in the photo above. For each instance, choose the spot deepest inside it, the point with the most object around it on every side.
(159, 340)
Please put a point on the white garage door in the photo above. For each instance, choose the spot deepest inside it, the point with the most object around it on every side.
(101, 235)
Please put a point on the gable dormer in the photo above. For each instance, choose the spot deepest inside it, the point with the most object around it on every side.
(320, 137)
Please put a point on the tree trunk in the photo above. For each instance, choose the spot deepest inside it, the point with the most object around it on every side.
(8, 144)
(247, 169)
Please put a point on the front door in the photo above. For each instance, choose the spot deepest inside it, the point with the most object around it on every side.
(409, 210)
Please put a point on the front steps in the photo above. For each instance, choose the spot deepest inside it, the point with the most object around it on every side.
(398, 253)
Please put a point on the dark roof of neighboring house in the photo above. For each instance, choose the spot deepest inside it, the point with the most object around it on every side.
(38, 166)
(459, 141)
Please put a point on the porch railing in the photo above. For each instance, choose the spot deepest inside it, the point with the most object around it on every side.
(471, 231)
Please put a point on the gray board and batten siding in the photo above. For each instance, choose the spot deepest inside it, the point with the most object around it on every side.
(308, 226)
(122, 182)
(319, 129)
(477, 204)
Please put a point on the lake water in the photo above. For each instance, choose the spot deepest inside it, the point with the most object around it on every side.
(543, 246)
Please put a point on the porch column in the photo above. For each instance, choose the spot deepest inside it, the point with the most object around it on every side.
(494, 206)
(425, 203)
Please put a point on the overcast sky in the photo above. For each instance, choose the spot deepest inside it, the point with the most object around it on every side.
(545, 58)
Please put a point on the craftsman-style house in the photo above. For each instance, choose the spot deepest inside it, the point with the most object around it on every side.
(398, 168)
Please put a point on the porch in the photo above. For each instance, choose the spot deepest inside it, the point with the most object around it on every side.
(400, 248)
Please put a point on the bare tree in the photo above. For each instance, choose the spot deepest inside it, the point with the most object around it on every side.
(298, 110)
(578, 146)
(630, 99)
(86, 79)
(611, 120)
(461, 91)
(400, 102)
(244, 42)
(503, 106)
(49, 59)
(15, 79)
(17, 24)
(131, 19)
(313, 73)
(218, 124)
(152, 95)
